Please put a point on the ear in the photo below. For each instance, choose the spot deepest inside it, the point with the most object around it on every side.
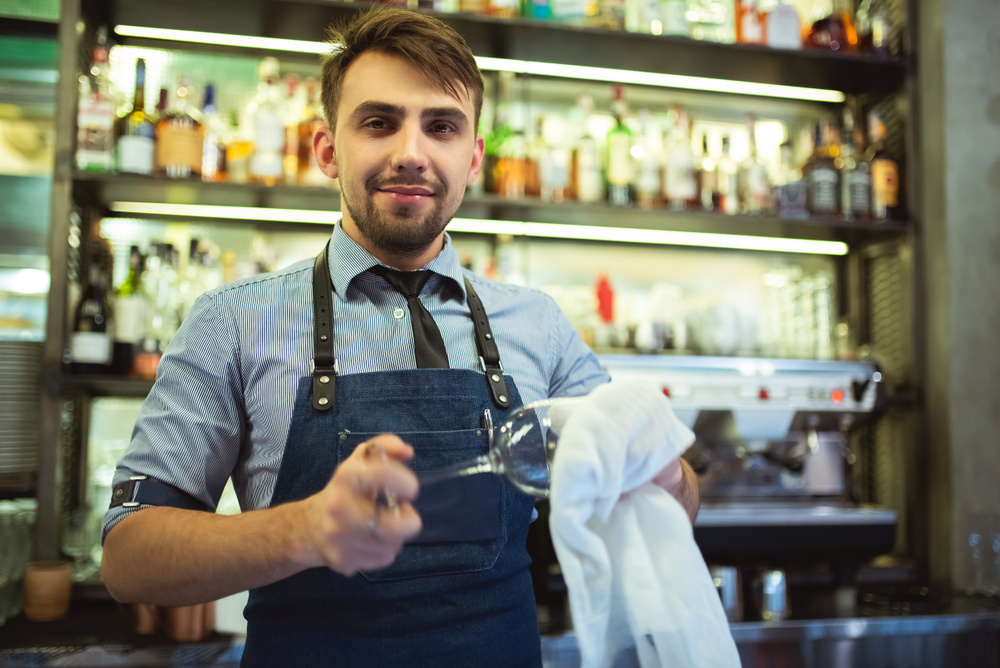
(477, 160)
(325, 152)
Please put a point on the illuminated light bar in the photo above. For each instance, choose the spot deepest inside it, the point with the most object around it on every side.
(513, 228)
(661, 80)
(222, 39)
(640, 236)
(518, 66)
(248, 213)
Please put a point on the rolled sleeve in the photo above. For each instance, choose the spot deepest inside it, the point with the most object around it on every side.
(575, 368)
(191, 427)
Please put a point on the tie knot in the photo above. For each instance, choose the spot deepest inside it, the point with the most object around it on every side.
(409, 283)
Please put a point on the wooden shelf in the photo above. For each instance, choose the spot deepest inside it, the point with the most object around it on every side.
(98, 190)
(524, 40)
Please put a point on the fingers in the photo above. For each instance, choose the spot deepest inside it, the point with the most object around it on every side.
(370, 471)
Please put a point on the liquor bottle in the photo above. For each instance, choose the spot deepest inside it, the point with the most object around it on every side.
(783, 27)
(586, 173)
(312, 120)
(619, 153)
(180, 136)
(239, 150)
(679, 185)
(92, 341)
(727, 180)
(553, 158)
(648, 150)
(885, 173)
(791, 192)
(749, 22)
(512, 153)
(753, 187)
(713, 20)
(856, 177)
(873, 29)
(822, 179)
(161, 293)
(130, 314)
(708, 182)
(213, 155)
(673, 18)
(136, 142)
(834, 28)
(295, 104)
(264, 113)
(95, 119)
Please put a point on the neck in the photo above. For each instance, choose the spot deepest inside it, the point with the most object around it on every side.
(401, 262)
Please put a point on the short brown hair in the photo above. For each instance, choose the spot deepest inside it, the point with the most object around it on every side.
(431, 45)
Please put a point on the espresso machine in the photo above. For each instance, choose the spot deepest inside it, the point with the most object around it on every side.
(772, 458)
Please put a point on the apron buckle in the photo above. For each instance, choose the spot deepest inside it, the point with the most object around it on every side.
(324, 381)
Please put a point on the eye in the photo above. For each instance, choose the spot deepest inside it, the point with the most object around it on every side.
(376, 124)
(443, 128)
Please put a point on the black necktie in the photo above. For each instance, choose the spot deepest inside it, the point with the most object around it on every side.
(427, 341)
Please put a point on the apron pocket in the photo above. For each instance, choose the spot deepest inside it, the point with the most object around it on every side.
(465, 520)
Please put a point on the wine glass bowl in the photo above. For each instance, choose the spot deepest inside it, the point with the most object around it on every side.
(521, 448)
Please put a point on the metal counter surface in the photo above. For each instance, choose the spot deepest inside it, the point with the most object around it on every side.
(964, 619)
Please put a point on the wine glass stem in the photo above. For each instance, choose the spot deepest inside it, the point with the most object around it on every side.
(475, 466)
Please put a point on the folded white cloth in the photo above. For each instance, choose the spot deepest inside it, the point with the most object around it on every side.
(634, 573)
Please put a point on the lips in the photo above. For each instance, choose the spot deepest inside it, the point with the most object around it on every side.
(409, 191)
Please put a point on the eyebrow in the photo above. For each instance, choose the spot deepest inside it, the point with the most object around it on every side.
(373, 107)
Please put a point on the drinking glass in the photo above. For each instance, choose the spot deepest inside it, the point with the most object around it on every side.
(520, 450)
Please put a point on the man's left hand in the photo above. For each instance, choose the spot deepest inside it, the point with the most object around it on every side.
(681, 481)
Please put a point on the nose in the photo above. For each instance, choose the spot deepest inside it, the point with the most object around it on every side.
(410, 154)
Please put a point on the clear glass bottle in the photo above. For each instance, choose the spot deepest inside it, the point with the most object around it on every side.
(619, 153)
(264, 113)
(856, 177)
(754, 189)
(586, 159)
(713, 20)
(727, 180)
(213, 157)
(679, 184)
(137, 133)
(648, 150)
(783, 27)
(95, 121)
(180, 136)
(791, 192)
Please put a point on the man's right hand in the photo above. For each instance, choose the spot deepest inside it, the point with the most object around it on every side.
(345, 527)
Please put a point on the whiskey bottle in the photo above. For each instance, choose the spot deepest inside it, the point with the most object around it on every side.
(885, 173)
(180, 136)
(136, 142)
(821, 176)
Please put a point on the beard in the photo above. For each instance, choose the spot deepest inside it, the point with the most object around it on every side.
(400, 232)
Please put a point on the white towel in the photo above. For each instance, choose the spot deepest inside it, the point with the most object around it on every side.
(634, 573)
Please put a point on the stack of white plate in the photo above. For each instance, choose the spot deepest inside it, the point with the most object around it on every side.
(20, 406)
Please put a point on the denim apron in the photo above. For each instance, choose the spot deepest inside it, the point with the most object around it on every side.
(459, 594)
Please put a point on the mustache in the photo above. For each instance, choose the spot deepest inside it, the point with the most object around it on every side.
(379, 182)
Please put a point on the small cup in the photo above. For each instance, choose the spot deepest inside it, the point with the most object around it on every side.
(47, 586)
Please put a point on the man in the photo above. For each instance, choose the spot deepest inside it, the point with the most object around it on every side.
(322, 387)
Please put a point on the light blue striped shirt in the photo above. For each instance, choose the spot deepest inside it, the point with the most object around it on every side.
(225, 388)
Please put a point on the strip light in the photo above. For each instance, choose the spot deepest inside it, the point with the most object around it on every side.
(514, 228)
(506, 65)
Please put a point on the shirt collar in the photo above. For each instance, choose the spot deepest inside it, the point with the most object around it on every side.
(348, 259)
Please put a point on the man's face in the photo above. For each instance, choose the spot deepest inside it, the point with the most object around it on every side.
(403, 150)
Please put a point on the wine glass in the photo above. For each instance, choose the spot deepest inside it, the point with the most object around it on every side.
(521, 449)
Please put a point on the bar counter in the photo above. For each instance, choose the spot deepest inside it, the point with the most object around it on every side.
(964, 632)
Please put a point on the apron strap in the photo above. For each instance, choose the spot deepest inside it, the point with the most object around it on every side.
(489, 354)
(324, 364)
